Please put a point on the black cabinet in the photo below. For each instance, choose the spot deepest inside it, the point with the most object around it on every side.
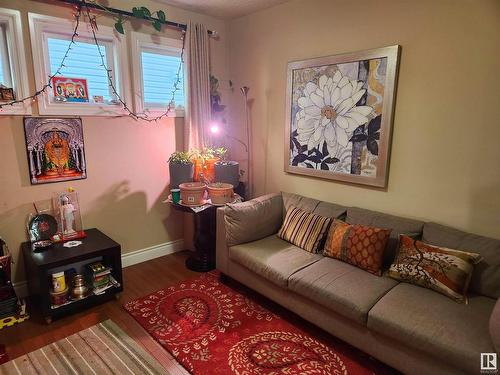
(39, 268)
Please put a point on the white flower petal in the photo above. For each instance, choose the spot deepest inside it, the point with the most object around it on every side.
(318, 134)
(326, 95)
(330, 136)
(346, 91)
(335, 100)
(353, 124)
(304, 137)
(322, 81)
(365, 110)
(345, 106)
(324, 121)
(359, 118)
(342, 122)
(342, 138)
(357, 95)
(317, 100)
(337, 76)
(312, 111)
(304, 101)
(344, 81)
(310, 88)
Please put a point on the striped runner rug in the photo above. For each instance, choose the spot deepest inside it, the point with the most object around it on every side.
(100, 349)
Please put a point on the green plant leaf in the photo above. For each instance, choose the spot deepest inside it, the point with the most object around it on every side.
(137, 12)
(157, 25)
(119, 27)
(161, 16)
(146, 11)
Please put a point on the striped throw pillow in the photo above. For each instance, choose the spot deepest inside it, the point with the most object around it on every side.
(304, 229)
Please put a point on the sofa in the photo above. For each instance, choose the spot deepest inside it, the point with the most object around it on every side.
(413, 329)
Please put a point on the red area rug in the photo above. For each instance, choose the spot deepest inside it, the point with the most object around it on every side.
(3, 355)
(212, 329)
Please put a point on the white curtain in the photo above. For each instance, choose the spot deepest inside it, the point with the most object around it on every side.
(198, 89)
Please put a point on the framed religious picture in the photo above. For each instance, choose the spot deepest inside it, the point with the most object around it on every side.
(55, 149)
(70, 89)
(339, 116)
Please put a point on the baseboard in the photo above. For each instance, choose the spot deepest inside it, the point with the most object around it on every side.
(128, 259)
(143, 255)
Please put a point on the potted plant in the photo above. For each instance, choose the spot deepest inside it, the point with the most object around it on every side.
(181, 168)
(204, 161)
(225, 170)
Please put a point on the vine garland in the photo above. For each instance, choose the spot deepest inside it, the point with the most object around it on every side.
(111, 84)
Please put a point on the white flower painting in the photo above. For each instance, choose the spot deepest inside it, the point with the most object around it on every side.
(339, 124)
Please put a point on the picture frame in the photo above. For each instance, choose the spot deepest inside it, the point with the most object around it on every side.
(55, 149)
(69, 89)
(7, 94)
(339, 116)
(67, 211)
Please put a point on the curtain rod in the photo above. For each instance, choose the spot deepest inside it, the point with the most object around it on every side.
(175, 25)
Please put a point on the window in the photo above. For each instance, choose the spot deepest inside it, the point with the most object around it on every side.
(50, 39)
(13, 72)
(156, 62)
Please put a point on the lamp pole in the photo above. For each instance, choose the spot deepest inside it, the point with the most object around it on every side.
(244, 90)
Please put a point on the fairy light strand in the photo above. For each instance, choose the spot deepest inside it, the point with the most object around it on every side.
(109, 75)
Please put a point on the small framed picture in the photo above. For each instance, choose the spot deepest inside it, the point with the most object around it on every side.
(7, 94)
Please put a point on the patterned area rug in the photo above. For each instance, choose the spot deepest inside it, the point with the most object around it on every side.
(212, 329)
(101, 349)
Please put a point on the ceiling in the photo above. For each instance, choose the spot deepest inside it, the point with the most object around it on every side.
(225, 9)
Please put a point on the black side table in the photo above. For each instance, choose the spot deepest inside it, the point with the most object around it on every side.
(39, 268)
(203, 259)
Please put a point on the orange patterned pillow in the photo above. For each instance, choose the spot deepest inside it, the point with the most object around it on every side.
(358, 245)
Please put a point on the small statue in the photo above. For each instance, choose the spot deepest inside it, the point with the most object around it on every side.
(67, 213)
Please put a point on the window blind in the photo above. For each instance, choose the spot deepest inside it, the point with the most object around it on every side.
(159, 73)
(83, 61)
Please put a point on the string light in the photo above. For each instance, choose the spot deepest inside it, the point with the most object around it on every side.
(138, 116)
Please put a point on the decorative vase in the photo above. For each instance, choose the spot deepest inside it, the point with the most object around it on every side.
(179, 173)
(220, 193)
(228, 172)
(192, 193)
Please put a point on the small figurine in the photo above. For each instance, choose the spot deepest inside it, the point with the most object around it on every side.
(67, 211)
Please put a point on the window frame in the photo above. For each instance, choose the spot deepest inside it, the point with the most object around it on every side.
(43, 27)
(151, 43)
(13, 42)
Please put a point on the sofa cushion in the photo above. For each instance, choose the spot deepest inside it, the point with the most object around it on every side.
(263, 215)
(435, 324)
(272, 258)
(486, 276)
(399, 225)
(341, 287)
(446, 271)
(359, 245)
(304, 229)
(313, 205)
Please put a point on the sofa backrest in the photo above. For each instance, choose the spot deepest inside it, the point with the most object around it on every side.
(399, 225)
(313, 205)
(486, 276)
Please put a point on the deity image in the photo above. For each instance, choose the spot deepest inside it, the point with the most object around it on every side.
(70, 90)
(68, 215)
(55, 149)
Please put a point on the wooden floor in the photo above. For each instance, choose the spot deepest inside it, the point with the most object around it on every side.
(139, 280)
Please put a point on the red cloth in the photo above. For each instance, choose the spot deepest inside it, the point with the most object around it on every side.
(212, 329)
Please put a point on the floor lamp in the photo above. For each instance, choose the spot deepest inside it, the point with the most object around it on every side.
(244, 91)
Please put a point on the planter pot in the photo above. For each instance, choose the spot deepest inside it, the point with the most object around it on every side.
(220, 193)
(192, 193)
(180, 173)
(228, 172)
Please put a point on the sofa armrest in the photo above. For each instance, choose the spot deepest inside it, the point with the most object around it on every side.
(495, 326)
(252, 220)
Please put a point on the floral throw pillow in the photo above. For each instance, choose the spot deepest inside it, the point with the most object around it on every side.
(443, 270)
(359, 245)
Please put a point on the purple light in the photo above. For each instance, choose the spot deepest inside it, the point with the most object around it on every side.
(214, 128)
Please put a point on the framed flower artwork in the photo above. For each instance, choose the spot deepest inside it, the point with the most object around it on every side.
(339, 116)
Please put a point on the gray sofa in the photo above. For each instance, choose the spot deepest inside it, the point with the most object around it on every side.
(410, 328)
